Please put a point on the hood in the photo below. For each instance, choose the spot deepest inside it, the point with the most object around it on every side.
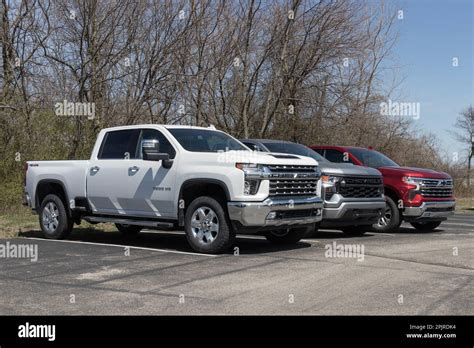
(412, 171)
(269, 158)
(331, 168)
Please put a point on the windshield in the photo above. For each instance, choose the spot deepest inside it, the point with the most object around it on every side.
(294, 149)
(203, 140)
(374, 159)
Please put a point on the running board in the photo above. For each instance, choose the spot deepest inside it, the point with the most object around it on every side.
(154, 224)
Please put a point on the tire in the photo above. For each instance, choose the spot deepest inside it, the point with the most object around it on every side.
(128, 230)
(356, 230)
(426, 226)
(289, 235)
(207, 226)
(391, 220)
(53, 218)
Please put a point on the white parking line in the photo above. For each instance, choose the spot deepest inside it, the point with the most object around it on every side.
(457, 224)
(124, 246)
(163, 232)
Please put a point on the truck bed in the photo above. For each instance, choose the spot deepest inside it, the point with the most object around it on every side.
(72, 174)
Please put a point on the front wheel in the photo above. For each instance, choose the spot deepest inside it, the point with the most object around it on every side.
(207, 226)
(391, 219)
(426, 226)
(289, 235)
(53, 217)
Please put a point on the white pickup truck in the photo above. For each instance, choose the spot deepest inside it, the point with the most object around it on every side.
(171, 177)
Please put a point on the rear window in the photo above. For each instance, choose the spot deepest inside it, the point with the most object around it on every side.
(120, 144)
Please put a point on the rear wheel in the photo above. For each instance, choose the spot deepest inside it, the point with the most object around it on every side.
(128, 230)
(391, 219)
(426, 226)
(289, 235)
(207, 226)
(53, 217)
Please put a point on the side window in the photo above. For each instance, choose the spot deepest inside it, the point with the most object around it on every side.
(153, 134)
(120, 144)
(253, 146)
(320, 151)
(336, 156)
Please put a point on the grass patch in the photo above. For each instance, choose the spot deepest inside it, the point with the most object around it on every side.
(12, 224)
(465, 204)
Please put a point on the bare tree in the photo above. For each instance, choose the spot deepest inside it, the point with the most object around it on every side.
(465, 135)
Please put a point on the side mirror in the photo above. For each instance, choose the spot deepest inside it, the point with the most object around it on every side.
(151, 152)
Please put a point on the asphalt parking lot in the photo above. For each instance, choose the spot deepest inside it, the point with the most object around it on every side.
(156, 273)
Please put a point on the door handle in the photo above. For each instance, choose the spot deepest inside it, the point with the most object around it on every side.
(133, 169)
(95, 169)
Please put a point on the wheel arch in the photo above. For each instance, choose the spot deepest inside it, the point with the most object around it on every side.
(192, 188)
(52, 186)
(392, 193)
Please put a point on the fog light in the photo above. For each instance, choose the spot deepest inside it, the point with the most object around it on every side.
(318, 212)
(272, 215)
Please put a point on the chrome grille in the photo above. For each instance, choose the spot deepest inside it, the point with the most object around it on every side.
(436, 188)
(293, 180)
(292, 169)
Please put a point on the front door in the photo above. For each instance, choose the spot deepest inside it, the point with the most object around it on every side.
(120, 182)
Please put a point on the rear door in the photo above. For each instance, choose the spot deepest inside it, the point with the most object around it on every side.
(108, 176)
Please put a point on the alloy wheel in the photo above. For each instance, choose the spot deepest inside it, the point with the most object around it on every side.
(50, 217)
(204, 225)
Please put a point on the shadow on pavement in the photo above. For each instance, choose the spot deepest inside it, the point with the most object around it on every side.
(175, 240)
(412, 230)
(337, 234)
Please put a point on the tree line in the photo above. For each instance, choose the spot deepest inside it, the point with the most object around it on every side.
(311, 71)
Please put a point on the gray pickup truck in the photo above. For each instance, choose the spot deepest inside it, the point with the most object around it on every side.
(353, 195)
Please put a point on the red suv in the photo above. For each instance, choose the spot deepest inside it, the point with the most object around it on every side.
(422, 197)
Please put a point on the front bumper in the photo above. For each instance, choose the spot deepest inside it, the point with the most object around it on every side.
(430, 211)
(274, 212)
(352, 211)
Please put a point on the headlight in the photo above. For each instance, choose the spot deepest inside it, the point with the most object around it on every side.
(330, 185)
(330, 179)
(413, 181)
(253, 174)
(249, 166)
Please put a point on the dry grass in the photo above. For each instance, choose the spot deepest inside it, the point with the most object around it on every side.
(12, 224)
(465, 204)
